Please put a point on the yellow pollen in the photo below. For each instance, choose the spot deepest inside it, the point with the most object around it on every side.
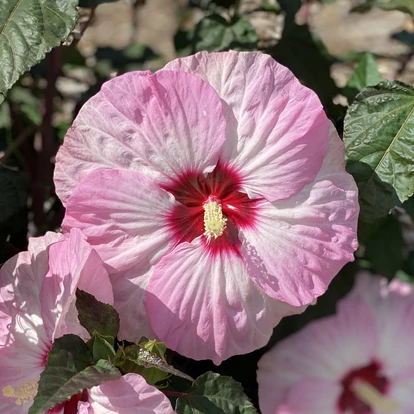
(23, 393)
(214, 221)
(368, 394)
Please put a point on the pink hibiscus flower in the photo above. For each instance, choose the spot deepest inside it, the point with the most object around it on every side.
(215, 190)
(358, 361)
(37, 305)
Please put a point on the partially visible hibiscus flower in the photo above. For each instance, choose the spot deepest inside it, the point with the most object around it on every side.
(358, 361)
(37, 305)
(215, 190)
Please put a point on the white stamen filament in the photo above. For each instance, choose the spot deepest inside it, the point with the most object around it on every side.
(214, 221)
(368, 394)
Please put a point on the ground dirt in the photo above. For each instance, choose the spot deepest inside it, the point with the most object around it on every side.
(155, 23)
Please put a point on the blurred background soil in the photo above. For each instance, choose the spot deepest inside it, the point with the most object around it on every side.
(154, 23)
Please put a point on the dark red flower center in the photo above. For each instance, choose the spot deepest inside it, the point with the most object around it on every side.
(370, 374)
(193, 191)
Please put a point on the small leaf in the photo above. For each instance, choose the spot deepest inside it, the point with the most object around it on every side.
(384, 246)
(151, 366)
(69, 371)
(157, 348)
(215, 394)
(379, 147)
(13, 197)
(215, 33)
(28, 30)
(96, 316)
(103, 347)
(406, 6)
(365, 74)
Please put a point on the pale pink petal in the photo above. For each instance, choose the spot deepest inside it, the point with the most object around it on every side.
(313, 396)
(326, 349)
(297, 246)
(128, 395)
(83, 407)
(124, 215)
(393, 306)
(24, 342)
(164, 125)
(278, 131)
(129, 292)
(394, 320)
(72, 264)
(204, 306)
(401, 391)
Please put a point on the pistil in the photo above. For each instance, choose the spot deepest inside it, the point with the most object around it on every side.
(214, 220)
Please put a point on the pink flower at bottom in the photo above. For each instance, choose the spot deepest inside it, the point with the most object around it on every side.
(216, 191)
(358, 361)
(37, 305)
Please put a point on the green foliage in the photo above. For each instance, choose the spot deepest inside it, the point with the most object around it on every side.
(102, 347)
(406, 6)
(96, 316)
(147, 359)
(365, 74)
(28, 30)
(69, 370)
(214, 394)
(379, 147)
(13, 193)
(215, 33)
(384, 246)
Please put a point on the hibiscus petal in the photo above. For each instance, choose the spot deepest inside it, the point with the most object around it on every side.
(124, 215)
(24, 342)
(297, 246)
(128, 395)
(278, 131)
(401, 391)
(164, 124)
(129, 292)
(326, 350)
(72, 264)
(204, 306)
(312, 397)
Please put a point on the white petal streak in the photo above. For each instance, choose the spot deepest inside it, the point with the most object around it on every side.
(162, 125)
(124, 215)
(298, 245)
(277, 129)
(205, 307)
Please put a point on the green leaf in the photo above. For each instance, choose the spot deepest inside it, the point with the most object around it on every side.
(384, 246)
(69, 371)
(152, 367)
(214, 394)
(365, 74)
(28, 30)
(157, 348)
(96, 316)
(13, 189)
(406, 6)
(215, 33)
(379, 147)
(103, 347)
